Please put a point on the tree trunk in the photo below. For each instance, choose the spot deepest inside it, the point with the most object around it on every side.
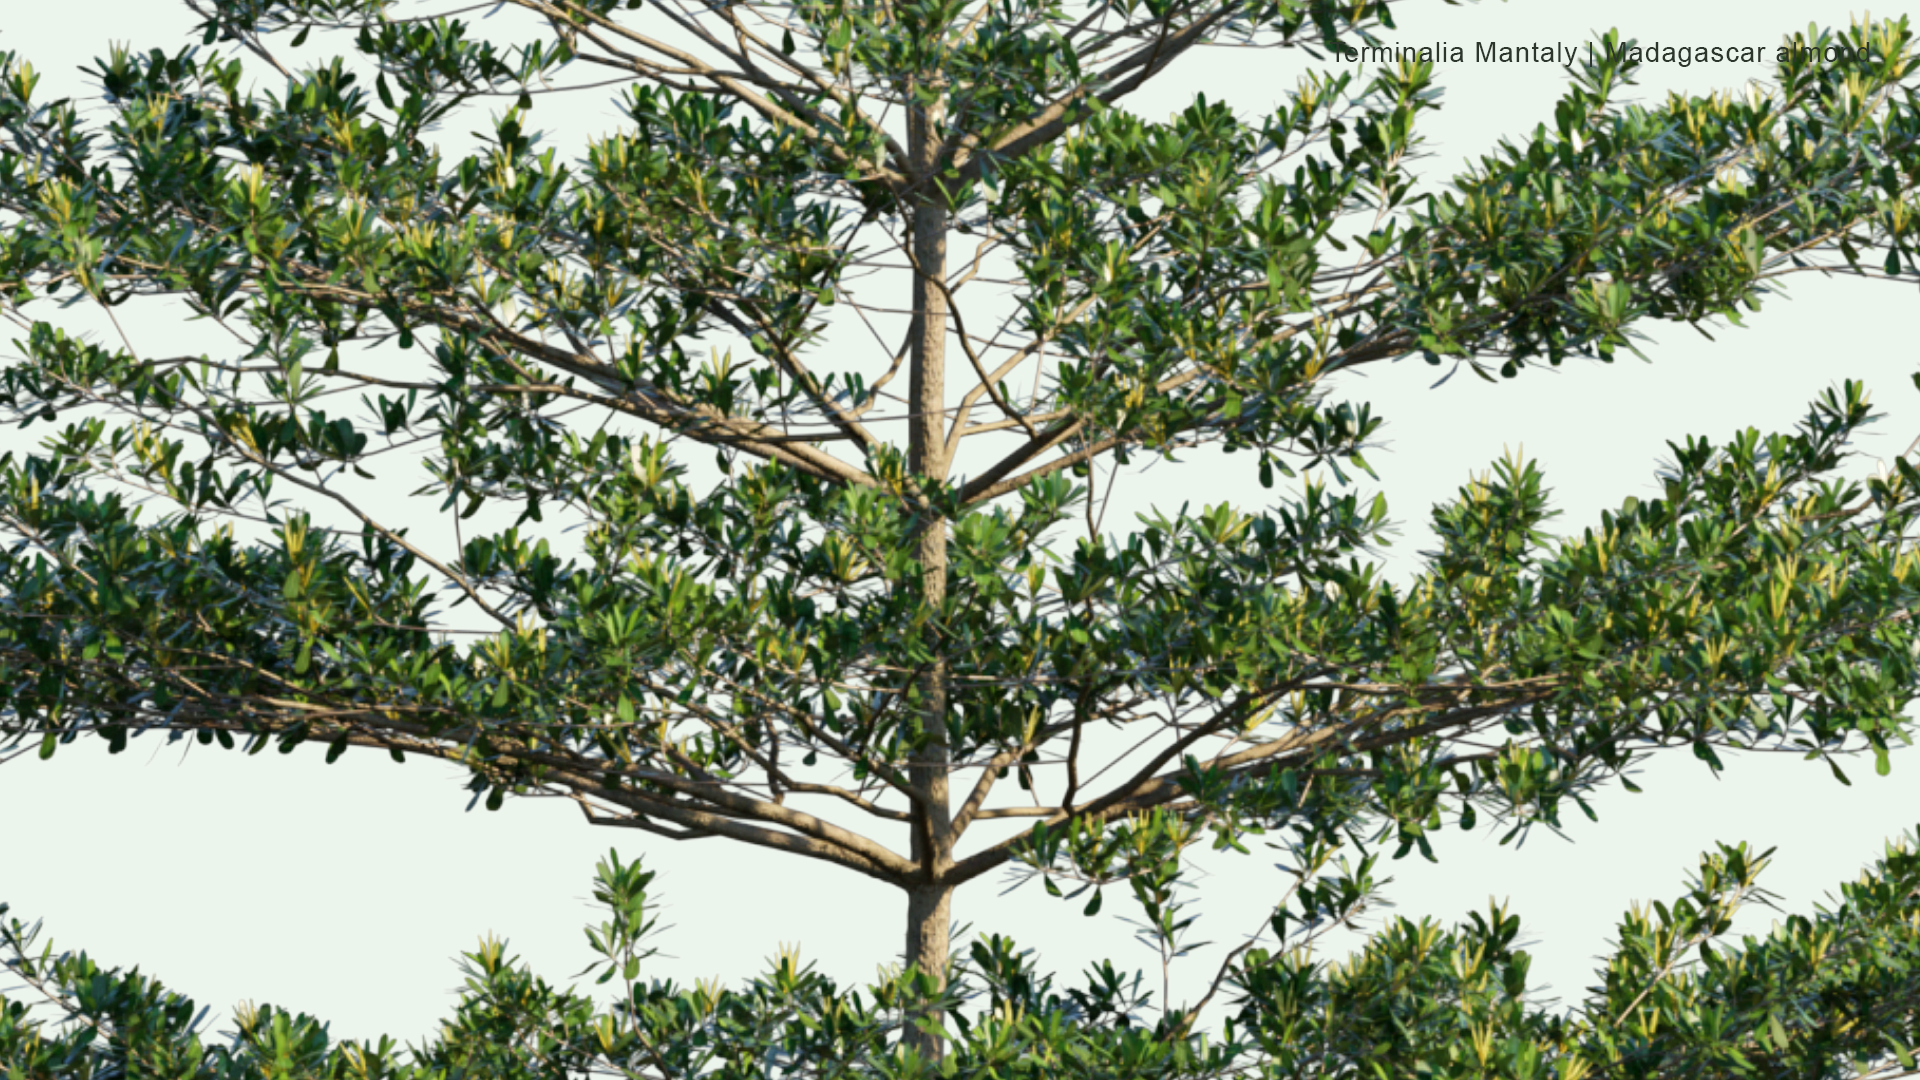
(930, 899)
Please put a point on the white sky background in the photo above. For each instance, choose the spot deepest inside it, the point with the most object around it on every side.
(347, 891)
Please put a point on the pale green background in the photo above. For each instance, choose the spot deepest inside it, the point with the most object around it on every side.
(346, 891)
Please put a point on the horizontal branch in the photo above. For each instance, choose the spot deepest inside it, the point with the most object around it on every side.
(1253, 763)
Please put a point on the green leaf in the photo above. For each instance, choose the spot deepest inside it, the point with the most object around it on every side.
(780, 610)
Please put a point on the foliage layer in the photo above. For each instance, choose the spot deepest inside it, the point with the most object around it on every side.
(870, 615)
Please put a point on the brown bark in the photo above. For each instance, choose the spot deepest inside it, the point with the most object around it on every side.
(930, 897)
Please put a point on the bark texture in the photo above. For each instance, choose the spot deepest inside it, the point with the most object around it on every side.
(930, 898)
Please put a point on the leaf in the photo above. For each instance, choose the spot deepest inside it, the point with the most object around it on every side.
(1778, 1032)
(300, 38)
(47, 743)
(1093, 905)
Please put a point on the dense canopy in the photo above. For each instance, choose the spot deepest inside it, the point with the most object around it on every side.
(810, 609)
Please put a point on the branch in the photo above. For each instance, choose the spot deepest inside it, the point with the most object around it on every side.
(1146, 791)
(1057, 117)
(738, 84)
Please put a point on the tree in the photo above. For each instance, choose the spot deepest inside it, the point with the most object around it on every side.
(841, 630)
